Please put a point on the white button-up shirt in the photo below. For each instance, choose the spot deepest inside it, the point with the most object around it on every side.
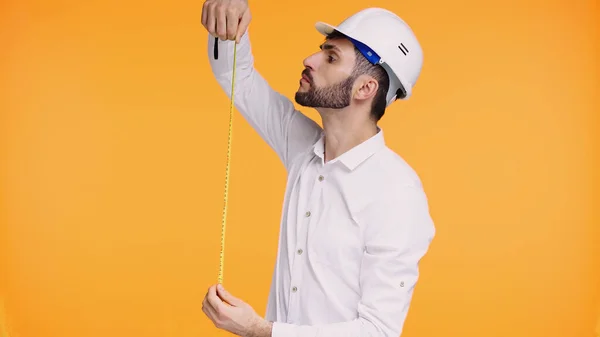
(353, 230)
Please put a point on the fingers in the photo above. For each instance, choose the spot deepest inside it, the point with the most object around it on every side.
(215, 309)
(225, 19)
(204, 13)
(222, 18)
(213, 300)
(211, 20)
(243, 25)
(232, 24)
(227, 297)
(209, 311)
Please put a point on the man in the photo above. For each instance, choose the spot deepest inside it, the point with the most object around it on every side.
(355, 220)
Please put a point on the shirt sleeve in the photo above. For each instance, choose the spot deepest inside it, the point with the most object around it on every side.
(397, 237)
(286, 130)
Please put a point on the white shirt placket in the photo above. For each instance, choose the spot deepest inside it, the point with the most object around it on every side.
(309, 202)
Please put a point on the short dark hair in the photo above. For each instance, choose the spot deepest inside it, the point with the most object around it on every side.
(363, 66)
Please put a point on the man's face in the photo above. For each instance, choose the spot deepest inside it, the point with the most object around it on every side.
(328, 78)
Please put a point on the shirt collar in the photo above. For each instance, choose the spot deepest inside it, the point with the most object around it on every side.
(355, 156)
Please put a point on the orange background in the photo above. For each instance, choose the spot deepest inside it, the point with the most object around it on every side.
(113, 154)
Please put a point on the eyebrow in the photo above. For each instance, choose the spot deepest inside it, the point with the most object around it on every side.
(327, 46)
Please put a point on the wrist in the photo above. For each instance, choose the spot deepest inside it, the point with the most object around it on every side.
(261, 328)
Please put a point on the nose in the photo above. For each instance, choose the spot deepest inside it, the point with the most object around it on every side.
(311, 62)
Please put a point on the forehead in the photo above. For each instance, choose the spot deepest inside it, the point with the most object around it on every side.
(340, 45)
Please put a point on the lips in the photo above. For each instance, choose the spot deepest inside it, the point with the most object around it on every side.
(306, 76)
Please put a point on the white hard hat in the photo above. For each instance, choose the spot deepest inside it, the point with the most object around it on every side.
(385, 39)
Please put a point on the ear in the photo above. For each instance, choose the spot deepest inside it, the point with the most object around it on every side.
(365, 88)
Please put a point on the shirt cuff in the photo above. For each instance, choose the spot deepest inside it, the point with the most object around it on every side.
(283, 330)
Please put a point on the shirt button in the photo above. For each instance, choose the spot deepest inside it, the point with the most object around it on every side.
(321, 178)
(294, 289)
(300, 251)
(307, 214)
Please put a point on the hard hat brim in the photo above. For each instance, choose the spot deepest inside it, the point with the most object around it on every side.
(325, 28)
(369, 53)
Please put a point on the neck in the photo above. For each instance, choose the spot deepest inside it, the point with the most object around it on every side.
(344, 130)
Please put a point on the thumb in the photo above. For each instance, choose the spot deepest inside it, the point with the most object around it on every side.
(227, 297)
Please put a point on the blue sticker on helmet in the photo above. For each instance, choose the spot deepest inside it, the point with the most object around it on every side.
(367, 52)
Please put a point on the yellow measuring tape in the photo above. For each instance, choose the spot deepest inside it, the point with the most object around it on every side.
(3, 320)
(229, 138)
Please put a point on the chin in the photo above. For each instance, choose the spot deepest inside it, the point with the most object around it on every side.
(298, 99)
(303, 89)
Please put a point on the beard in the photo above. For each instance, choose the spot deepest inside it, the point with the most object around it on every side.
(336, 96)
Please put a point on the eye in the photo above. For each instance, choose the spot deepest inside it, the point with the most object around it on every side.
(330, 58)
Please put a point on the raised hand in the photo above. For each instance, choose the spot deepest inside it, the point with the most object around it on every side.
(226, 19)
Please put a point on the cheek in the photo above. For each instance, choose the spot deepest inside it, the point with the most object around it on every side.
(330, 74)
(325, 79)
(338, 73)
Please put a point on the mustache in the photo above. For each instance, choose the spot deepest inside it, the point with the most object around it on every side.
(306, 73)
